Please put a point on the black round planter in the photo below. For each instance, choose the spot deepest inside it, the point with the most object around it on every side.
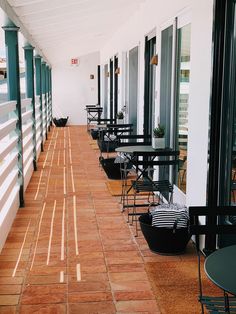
(164, 240)
(94, 134)
(111, 168)
(60, 122)
(107, 146)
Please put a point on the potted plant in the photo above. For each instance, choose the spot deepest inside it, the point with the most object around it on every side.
(158, 140)
(120, 117)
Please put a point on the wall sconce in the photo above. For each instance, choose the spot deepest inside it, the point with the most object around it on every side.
(91, 77)
(117, 71)
(154, 60)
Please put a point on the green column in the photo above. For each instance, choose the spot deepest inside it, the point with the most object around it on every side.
(38, 76)
(29, 71)
(50, 92)
(47, 94)
(13, 84)
(44, 93)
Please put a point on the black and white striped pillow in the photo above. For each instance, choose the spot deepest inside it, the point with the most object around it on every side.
(167, 217)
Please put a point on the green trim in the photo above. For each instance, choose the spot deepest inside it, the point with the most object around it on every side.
(44, 93)
(38, 75)
(13, 83)
(29, 75)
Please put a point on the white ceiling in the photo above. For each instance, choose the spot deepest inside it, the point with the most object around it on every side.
(64, 29)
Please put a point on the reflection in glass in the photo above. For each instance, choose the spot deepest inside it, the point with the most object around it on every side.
(183, 75)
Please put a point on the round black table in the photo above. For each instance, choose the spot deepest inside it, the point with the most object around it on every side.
(220, 268)
(139, 149)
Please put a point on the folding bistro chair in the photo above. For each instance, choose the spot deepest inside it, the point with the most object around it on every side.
(214, 304)
(126, 167)
(145, 163)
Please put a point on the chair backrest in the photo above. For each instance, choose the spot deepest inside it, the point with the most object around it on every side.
(211, 213)
(213, 225)
(133, 139)
(117, 129)
(163, 157)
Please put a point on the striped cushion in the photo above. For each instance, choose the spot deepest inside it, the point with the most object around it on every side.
(166, 216)
(108, 138)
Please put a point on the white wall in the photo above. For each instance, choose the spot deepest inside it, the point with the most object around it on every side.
(200, 83)
(73, 88)
(156, 14)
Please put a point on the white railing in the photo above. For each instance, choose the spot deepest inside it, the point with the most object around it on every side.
(48, 109)
(44, 117)
(10, 170)
(38, 125)
(27, 137)
(9, 186)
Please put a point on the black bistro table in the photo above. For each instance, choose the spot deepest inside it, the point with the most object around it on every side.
(132, 154)
(221, 270)
(134, 151)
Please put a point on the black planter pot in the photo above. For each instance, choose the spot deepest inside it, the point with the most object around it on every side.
(112, 169)
(107, 146)
(164, 240)
(94, 134)
(60, 122)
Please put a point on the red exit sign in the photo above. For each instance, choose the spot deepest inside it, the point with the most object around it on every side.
(74, 61)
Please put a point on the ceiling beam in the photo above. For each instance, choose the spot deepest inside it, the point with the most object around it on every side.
(14, 18)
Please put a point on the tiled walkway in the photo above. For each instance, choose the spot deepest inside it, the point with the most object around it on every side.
(70, 249)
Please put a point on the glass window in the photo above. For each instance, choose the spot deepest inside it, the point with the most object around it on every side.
(182, 98)
(149, 86)
(166, 81)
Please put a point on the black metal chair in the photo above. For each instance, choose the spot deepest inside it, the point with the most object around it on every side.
(214, 304)
(145, 164)
(107, 141)
(126, 166)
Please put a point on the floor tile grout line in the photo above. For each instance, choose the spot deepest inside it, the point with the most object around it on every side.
(63, 231)
(38, 233)
(75, 225)
(51, 232)
(26, 272)
(21, 249)
(40, 178)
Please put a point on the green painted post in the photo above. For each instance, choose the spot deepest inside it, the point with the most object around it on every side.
(50, 90)
(44, 93)
(13, 84)
(47, 94)
(38, 75)
(29, 71)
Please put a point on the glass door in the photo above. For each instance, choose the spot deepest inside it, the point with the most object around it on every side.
(182, 101)
(133, 87)
(111, 90)
(227, 191)
(166, 81)
(116, 73)
(222, 146)
(149, 85)
(105, 86)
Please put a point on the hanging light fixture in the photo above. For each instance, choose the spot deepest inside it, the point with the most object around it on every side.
(154, 60)
(117, 71)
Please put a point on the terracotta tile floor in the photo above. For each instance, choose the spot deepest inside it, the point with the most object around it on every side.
(70, 249)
